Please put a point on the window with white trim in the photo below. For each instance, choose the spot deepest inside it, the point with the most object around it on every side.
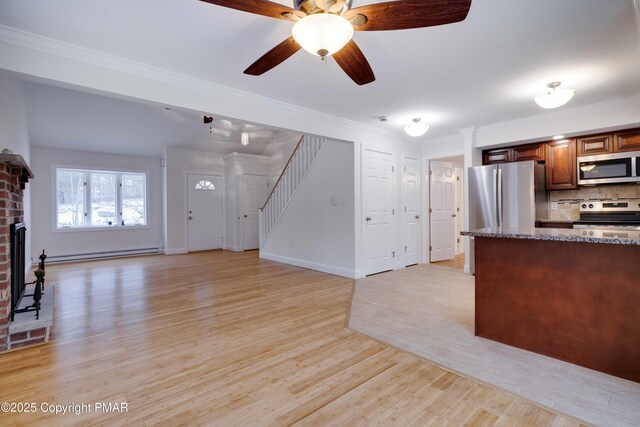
(100, 199)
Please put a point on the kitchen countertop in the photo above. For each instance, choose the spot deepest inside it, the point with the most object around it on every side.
(615, 237)
(559, 221)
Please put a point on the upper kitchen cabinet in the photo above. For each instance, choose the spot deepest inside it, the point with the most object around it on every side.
(498, 155)
(519, 153)
(522, 153)
(561, 162)
(627, 140)
(595, 144)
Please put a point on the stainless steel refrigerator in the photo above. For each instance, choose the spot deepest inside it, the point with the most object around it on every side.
(507, 195)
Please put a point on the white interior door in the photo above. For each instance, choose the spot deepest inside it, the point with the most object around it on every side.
(443, 215)
(410, 215)
(459, 209)
(377, 207)
(204, 212)
(254, 193)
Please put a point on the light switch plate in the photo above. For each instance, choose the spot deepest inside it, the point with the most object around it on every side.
(554, 205)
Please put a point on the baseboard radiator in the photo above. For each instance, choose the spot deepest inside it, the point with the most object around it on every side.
(102, 255)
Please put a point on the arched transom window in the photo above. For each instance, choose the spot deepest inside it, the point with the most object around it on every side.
(205, 185)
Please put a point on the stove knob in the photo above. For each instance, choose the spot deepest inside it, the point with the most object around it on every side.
(584, 206)
(590, 205)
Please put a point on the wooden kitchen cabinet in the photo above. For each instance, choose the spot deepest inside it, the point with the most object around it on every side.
(522, 153)
(561, 161)
(627, 141)
(595, 144)
(499, 155)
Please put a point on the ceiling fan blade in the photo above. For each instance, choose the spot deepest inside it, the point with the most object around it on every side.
(406, 14)
(353, 62)
(274, 57)
(259, 7)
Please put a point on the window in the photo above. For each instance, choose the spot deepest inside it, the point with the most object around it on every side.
(205, 184)
(100, 199)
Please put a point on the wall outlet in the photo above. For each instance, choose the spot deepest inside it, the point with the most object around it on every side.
(554, 206)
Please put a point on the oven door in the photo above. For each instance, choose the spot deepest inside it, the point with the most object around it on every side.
(608, 168)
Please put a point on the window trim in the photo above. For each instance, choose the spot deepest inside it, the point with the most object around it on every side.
(119, 172)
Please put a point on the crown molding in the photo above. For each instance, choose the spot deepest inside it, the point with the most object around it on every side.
(32, 41)
(608, 105)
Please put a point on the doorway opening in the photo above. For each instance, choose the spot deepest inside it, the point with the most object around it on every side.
(446, 210)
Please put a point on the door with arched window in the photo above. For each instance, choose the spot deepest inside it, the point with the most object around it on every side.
(204, 212)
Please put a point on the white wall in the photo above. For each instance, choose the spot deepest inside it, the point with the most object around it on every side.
(14, 135)
(179, 162)
(64, 242)
(312, 232)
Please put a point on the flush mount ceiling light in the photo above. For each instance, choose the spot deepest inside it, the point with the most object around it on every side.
(416, 128)
(244, 138)
(322, 34)
(554, 97)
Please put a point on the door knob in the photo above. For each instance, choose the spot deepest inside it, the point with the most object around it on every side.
(453, 215)
(245, 216)
(417, 216)
(190, 218)
(368, 218)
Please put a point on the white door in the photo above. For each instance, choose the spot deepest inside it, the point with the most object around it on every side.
(254, 193)
(377, 208)
(443, 217)
(459, 209)
(204, 212)
(411, 214)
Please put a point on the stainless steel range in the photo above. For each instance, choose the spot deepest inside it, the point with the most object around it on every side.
(610, 214)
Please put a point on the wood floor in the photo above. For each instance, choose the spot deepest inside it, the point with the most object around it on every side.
(429, 310)
(220, 338)
(455, 262)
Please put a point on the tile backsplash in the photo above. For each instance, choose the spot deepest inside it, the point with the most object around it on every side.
(569, 200)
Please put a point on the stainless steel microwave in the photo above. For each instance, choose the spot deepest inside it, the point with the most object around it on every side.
(609, 168)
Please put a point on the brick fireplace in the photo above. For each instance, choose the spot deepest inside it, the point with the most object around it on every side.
(14, 175)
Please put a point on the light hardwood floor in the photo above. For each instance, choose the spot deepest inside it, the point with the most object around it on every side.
(456, 262)
(429, 310)
(220, 338)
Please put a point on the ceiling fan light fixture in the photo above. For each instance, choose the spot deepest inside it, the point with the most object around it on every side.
(416, 128)
(322, 34)
(244, 138)
(554, 97)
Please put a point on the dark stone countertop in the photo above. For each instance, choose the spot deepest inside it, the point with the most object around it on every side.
(615, 237)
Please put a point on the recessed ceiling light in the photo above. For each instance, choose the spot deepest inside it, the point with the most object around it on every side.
(557, 137)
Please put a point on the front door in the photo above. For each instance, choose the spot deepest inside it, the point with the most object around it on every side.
(377, 207)
(254, 193)
(443, 212)
(204, 212)
(411, 216)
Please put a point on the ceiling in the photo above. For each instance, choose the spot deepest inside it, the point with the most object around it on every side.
(483, 70)
(68, 119)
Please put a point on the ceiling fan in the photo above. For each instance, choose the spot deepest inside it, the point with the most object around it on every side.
(325, 27)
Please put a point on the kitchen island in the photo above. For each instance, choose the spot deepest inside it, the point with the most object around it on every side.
(571, 294)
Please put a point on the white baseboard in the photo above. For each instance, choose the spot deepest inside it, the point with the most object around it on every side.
(325, 268)
(175, 251)
(234, 248)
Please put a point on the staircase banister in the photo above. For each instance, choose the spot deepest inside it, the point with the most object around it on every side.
(282, 173)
